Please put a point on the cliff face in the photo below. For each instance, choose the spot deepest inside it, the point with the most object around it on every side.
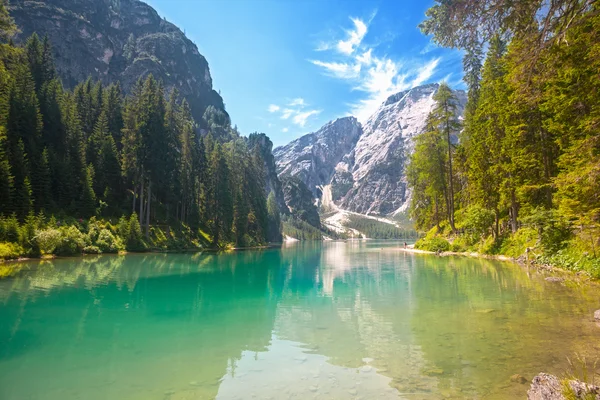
(365, 166)
(118, 40)
(313, 157)
(272, 182)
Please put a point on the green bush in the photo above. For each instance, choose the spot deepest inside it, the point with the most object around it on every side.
(10, 251)
(133, 239)
(107, 242)
(9, 229)
(72, 242)
(48, 240)
(516, 244)
(436, 244)
(91, 250)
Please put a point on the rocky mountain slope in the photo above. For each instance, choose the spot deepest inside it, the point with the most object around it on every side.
(313, 157)
(364, 165)
(118, 40)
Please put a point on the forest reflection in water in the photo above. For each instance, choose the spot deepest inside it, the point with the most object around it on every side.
(343, 319)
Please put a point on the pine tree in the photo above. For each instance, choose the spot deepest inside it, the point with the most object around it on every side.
(219, 202)
(444, 118)
(7, 25)
(24, 126)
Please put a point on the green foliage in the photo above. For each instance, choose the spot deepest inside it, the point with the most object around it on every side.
(10, 251)
(476, 222)
(374, 229)
(515, 245)
(302, 230)
(108, 243)
(92, 152)
(528, 158)
(435, 244)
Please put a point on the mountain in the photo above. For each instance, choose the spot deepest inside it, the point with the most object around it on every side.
(313, 157)
(361, 168)
(118, 40)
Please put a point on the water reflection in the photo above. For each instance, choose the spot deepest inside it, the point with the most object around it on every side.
(338, 320)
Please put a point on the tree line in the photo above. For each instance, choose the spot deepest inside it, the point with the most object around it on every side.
(523, 166)
(94, 152)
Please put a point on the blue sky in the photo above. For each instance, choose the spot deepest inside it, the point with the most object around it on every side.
(286, 67)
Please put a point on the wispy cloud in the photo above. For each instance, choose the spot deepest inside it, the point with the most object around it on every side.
(284, 130)
(296, 110)
(300, 118)
(354, 60)
(286, 113)
(297, 102)
(355, 37)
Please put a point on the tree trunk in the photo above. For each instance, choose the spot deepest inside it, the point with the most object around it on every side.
(141, 216)
(134, 197)
(451, 183)
(514, 212)
(148, 209)
(496, 223)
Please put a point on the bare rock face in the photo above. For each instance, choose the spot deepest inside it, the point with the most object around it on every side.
(118, 40)
(364, 165)
(549, 387)
(313, 158)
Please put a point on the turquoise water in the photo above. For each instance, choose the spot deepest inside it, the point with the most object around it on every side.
(327, 321)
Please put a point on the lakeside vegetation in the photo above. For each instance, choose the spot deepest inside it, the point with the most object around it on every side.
(522, 169)
(92, 170)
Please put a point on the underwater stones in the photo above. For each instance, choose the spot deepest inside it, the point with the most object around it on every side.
(554, 279)
(433, 372)
(518, 379)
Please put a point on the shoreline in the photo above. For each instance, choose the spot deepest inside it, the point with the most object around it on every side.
(48, 257)
(552, 269)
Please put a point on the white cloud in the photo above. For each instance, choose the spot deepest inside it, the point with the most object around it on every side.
(300, 118)
(297, 102)
(339, 70)
(354, 39)
(296, 111)
(286, 113)
(376, 76)
(426, 72)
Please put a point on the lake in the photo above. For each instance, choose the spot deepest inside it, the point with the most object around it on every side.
(330, 320)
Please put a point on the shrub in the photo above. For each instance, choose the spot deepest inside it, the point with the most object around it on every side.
(72, 242)
(10, 251)
(48, 240)
(106, 242)
(134, 240)
(436, 244)
(515, 244)
(91, 250)
(9, 229)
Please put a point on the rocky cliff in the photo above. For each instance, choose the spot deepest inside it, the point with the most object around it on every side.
(118, 40)
(313, 157)
(365, 166)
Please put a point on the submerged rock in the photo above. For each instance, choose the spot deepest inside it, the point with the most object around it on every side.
(518, 379)
(554, 279)
(549, 387)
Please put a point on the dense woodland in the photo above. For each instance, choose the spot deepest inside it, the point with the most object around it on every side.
(523, 167)
(91, 156)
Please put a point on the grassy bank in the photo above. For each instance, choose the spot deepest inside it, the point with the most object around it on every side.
(551, 247)
(39, 236)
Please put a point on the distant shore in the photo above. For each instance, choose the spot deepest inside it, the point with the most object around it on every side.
(565, 274)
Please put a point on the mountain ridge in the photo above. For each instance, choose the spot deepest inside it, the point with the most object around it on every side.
(118, 40)
(369, 178)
